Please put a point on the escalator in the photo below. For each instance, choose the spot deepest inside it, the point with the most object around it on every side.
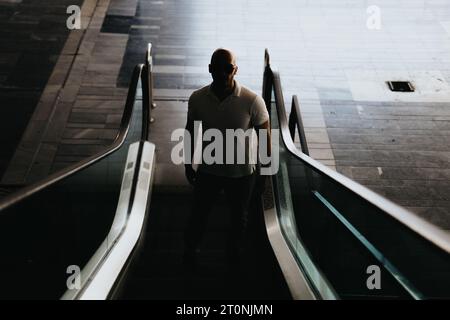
(98, 231)
(101, 230)
(342, 234)
(58, 235)
(159, 272)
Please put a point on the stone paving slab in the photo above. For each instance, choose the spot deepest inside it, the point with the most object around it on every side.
(170, 115)
(71, 122)
(32, 35)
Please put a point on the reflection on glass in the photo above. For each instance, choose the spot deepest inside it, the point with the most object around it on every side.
(61, 226)
(287, 219)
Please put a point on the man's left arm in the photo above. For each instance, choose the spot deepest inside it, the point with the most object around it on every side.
(261, 122)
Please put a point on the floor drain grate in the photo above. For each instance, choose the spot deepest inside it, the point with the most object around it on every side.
(402, 86)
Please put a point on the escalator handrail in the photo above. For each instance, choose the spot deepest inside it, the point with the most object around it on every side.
(27, 191)
(427, 230)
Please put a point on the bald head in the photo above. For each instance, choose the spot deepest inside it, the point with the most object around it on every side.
(223, 68)
(222, 56)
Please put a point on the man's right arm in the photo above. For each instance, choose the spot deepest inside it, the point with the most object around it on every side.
(188, 156)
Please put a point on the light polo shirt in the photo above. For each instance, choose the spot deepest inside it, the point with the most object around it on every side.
(243, 109)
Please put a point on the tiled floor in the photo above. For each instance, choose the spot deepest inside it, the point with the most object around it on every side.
(32, 35)
(80, 109)
(396, 143)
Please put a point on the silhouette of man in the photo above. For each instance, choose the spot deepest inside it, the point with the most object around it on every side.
(224, 104)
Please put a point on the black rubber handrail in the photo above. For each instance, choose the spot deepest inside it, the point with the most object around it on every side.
(139, 72)
(296, 122)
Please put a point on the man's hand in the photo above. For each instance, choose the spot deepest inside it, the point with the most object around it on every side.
(190, 174)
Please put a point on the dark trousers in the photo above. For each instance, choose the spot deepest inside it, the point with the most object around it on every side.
(207, 187)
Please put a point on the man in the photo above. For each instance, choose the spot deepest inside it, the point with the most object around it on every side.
(222, 105)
